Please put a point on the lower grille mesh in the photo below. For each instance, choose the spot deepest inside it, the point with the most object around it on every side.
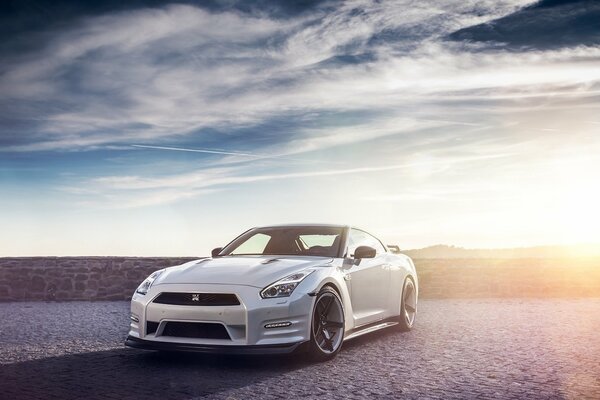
(199, 330)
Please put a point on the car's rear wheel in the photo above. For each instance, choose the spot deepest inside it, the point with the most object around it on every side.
(408, 305)
(327, 328)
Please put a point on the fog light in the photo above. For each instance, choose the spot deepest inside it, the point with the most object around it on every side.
(278, 325)
(134, 318)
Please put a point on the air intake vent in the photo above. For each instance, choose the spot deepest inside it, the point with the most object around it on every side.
(199, 330)
(151, 327)
(198, 299)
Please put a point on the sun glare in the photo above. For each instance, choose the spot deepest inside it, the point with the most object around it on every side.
(577, 212)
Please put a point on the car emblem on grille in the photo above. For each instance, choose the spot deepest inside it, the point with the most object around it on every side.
(195, 297)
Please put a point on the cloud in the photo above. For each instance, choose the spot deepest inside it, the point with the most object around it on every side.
(235, 156)
(140, 191)
(183, 78)
(156, 76)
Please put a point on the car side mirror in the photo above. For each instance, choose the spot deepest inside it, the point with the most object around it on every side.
(364, 252)
(215, 252)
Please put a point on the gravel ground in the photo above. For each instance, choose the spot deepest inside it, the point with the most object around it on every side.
(458, 349)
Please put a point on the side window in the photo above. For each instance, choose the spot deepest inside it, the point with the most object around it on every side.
(254, 245)
(361, 238)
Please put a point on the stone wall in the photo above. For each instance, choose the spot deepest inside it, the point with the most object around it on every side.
(76, 278)
(115, 278)
(525, 277)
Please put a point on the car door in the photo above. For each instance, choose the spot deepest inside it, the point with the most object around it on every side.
(368, 279)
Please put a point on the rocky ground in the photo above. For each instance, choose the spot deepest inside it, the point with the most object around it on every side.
(459, 349)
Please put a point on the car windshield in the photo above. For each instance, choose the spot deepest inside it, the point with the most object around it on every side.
(321, 241)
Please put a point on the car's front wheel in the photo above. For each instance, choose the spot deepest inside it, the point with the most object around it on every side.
(327, 330)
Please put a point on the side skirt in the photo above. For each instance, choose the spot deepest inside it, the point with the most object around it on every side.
(372, 327)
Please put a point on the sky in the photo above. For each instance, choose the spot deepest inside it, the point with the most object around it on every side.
(168, 128)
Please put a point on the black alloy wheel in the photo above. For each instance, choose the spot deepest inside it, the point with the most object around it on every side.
(327, 330)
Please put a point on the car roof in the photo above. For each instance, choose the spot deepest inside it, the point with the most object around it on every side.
(304, 225)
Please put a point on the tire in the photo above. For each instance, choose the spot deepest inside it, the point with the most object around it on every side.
(327, 326)
(408, 306)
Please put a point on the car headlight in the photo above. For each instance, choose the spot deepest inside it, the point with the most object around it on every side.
(284, 287)
(143, 288)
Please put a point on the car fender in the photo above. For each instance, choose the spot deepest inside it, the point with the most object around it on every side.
(334, 277)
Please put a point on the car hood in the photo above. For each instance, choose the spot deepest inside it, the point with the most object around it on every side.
(251, 271)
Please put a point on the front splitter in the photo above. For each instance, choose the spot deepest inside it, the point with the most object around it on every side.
(285, 348)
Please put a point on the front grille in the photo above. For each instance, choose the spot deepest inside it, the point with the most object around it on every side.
(199, 330)
(151, 327)
(198, 299)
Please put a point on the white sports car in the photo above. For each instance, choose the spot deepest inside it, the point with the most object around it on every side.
(275, 289)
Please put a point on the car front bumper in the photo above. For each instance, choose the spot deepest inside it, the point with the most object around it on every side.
(245, 323)
(212, 349)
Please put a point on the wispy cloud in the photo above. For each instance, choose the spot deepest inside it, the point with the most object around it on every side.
(158, 76)
(138, 191)
(208, 151)
(234, 154)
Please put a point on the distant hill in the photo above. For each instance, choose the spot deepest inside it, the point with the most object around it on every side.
(445, 251)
